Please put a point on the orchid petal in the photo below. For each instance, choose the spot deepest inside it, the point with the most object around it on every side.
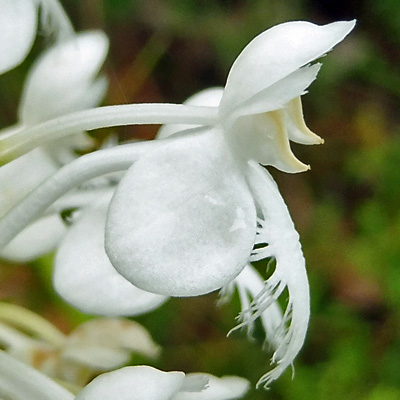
(264, 138)
(18, 21)
(281, 241)
(297, 128)
(182, 220)
(225, 388)
(133, 383)
(209, 97)
(63, 79)
(275, 54)
(84, 276)
(258, 128)
(277, 95)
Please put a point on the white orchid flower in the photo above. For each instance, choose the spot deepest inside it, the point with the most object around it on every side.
(249, 283)
(21, 382)
(18, 24)
(189, 211)
(98, 345)
(63, 80)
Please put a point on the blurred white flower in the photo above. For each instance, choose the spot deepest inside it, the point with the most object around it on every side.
(18, 25)
(147, 383)
(21, 382)
(62, 80)
(98, 345)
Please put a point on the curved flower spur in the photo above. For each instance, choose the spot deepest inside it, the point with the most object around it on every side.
(186, 216)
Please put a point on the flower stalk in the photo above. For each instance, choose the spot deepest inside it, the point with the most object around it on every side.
(23, 141)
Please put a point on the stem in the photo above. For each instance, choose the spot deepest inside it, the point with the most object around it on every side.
(84, 168)
(29, 321)
(10, 337)
(20, 382)
(101, 117)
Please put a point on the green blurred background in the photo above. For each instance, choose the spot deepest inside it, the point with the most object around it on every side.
(346, 208)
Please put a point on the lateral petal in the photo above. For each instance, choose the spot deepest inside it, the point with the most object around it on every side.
(182, 220)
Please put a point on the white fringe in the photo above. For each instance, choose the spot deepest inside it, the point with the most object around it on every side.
(281, 241)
